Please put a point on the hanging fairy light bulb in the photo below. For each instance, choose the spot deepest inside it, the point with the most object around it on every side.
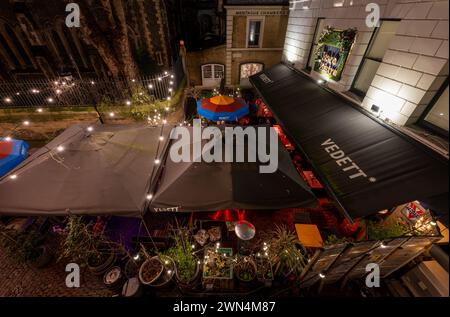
(168, 98)
(157, 161)
(13, 176)
(40, 110)
(58, 91)
(170, 89)
(90, 129)
(50, 100)
(8, 100)
(149, 196)
(171, 82)
(150, 86)
(26, 122)
(128, 103)
(165, 73)
(161, 138)
(159, 78)
(164, 121)
(111, 114)
(34, 91)
(8, 139)
(92, 82)
(60, 148)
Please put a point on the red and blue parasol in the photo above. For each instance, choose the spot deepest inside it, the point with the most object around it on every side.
(222, 108)
(12, 153)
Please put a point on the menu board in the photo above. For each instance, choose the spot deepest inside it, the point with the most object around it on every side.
(332, 52)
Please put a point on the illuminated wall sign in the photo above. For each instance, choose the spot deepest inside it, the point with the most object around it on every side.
(332, 51)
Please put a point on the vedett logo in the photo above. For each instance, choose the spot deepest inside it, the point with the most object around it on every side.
(342, 160)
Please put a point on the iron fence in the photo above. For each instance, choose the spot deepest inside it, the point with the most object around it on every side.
(70, 91)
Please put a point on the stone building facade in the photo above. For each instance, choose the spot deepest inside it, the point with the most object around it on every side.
(35, 42)
(398, 69)
(255, 35)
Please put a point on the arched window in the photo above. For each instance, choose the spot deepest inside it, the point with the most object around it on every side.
(247, 70)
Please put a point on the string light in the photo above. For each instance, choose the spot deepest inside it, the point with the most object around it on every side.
(50, 100)
(167, 108)
(171, 83)
(169, 272)
(8, 100)
(92, 82)
(39, 110)
(161, 138)
(34, 91)
(150, 86)
(90, 129)
(13, 176)
(111, 114)
(159, 78)
(128, 102)
(157, 161)
(382, 245)
(26, 123)
(165, 73)
(170, 89)
(136, 257)
(149, 196)
(168, 98)
(164, 121)
(8, 138)
(58, 91)
(60, 148)
(17, 93)
(321, 275)
(193, 246)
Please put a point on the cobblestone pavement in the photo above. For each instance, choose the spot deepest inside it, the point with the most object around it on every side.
(21, 280)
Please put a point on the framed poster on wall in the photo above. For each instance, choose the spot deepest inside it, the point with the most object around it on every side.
(332, 52)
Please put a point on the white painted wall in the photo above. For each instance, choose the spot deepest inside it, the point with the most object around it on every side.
(414, 66)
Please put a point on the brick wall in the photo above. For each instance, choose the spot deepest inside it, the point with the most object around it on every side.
(414, 66)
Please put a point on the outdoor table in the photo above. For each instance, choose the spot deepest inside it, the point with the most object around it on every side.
(309, 235)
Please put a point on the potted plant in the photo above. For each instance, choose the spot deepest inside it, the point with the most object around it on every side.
(245, 269)
(264, 271)
(150, 270)
(168, 272)
(285, 252)
(82, 245)
(187, 266)
(218, 264)
(26, 247)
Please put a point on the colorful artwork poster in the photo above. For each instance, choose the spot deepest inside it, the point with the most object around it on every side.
(332, 52)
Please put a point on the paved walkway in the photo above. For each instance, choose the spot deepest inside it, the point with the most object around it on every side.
(20, 280)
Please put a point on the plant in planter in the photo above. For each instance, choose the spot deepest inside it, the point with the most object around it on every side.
(264, 271)
(82, 244)
(285, 252)
(150, 270)
(386, 229)
(26, 247)
(218, 264)
(187, 267)
(245, 269)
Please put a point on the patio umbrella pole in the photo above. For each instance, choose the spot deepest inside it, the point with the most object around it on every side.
(148, 232)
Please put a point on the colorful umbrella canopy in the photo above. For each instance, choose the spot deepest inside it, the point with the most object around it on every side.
(222, 108)
(12, 153)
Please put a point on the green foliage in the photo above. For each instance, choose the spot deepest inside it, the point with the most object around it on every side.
(80, 244)
(333, 239)
(23, 246)
(185, 261)
(285, 252)
(385, 229)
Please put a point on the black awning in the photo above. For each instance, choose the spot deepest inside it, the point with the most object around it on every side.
(366, 165)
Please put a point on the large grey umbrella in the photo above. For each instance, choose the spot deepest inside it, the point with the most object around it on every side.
(105, 171)
(201, 186)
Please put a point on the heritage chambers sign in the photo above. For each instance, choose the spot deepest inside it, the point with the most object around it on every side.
(260, 12)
